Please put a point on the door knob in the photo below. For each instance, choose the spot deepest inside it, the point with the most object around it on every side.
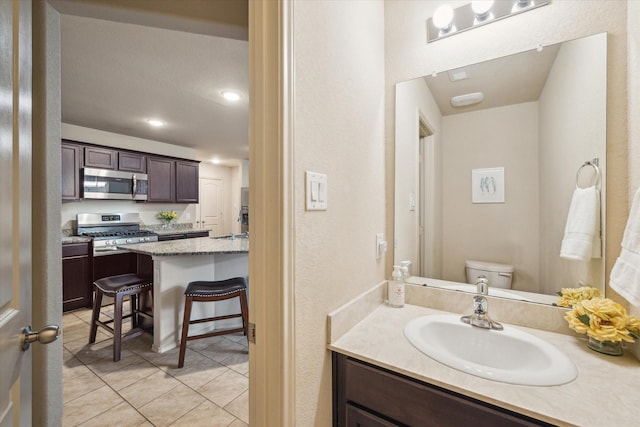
(45, 335)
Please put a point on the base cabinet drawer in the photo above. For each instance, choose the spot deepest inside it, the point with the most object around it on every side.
(374, 396)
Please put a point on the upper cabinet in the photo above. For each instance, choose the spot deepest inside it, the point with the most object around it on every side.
(186, 182)
(170, 180)
(71, 164)
(162, 177)
(174, 181)
(132, 162)
(101, 158)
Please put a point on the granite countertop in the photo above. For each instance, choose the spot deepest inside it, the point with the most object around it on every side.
(196, 246)
(602, 394)
(164, 232)
(75, 239)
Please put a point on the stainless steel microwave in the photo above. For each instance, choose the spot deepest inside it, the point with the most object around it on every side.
(114, 185)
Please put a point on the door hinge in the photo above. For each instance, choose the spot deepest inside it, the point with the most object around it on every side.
(251, 332)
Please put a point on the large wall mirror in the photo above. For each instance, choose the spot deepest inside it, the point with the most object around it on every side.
(492, 181)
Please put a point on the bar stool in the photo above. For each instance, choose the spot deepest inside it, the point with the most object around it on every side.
(219, 290)
(118, 287)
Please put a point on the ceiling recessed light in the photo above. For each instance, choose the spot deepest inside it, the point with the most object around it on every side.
(231, 95)
(215, 161)
(155, 122)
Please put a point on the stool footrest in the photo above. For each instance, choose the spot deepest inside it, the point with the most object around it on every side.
(215, 333)
(213, 319)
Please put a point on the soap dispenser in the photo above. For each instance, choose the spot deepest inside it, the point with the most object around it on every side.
(405, 269)
(395, 288)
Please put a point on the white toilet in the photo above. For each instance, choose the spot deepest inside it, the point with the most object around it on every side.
(499, 275)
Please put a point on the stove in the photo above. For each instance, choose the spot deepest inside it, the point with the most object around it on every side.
(111, 230)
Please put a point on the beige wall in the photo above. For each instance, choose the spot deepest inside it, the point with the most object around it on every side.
(338, 130)
(572, 130)
(493, 232)
(413, 100)
(408, 56)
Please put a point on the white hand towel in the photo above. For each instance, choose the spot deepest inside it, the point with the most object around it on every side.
(583, 225)
(625, 275)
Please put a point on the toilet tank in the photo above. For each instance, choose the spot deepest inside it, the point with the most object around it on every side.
(499, 275)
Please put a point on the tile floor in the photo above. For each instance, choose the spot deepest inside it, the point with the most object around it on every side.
(146, 388)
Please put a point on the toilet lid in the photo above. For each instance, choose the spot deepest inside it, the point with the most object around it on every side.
(489, 266)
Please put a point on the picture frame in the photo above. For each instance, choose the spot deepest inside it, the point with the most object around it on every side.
(487, 185)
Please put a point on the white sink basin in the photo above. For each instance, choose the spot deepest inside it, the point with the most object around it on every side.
(511, 355)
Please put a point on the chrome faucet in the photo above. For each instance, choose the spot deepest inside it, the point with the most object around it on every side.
(480, 316)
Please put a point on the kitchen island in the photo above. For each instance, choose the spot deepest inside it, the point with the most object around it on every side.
(178, 262)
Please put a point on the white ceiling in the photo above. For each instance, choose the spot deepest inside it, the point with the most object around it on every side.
(116, 75)
(508, 80)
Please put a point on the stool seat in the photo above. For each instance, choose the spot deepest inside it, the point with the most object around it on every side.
(215, 288)
(119, 287)
(211, 291)
(121, 283)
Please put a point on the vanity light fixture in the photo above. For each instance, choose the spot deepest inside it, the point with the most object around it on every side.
(447, 21)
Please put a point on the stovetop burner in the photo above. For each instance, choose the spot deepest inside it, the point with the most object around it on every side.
(111, 230)
(117, 233)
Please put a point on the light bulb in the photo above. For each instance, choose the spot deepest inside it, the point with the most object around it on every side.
(443, 18)
(482, 8)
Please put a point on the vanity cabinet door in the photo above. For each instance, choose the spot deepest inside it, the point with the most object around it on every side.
(357, 417)
(404, 401)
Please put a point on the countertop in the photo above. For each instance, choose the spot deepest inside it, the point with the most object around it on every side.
(196, 246)
(604, 393)
(167, 231)
(75, 239)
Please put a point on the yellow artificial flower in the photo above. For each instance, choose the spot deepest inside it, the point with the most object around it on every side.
(167, 215)
(603, 319)
(570, 296)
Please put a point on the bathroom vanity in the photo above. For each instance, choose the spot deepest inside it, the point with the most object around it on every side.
(381, 379)
(365, 394)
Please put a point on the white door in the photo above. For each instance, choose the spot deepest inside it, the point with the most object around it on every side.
(15, 223)
(211, 206)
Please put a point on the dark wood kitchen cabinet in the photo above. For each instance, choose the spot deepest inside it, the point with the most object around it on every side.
(187, 179)
(101, 158)
(76, 276)
(132, 162)
(162, 177)
(71, 162)
(366, 395)
(173, 181)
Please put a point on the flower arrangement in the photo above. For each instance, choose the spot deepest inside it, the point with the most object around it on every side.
(570, 296)
(604, 320)
(167, 216)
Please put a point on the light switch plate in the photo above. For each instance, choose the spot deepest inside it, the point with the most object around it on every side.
(316, 189)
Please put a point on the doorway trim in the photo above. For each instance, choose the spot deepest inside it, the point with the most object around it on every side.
(271, 200)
